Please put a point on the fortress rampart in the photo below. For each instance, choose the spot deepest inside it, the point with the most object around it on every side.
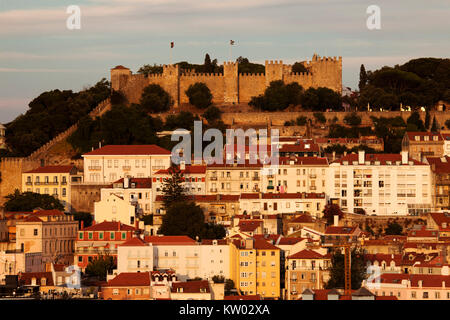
(231, 87)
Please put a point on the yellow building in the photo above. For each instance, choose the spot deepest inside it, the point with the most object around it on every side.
(255, 267)
(51, 180)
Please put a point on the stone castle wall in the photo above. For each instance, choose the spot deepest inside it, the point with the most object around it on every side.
(230, 87)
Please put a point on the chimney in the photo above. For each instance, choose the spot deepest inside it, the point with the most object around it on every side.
(336, 220)
(334, 155)
(126, 182)
(182, 165)
(118, 225)
(419, 283)
(82, 224)
(93, 222)
(361, 156)
(443, 284)
(404, 157)
(136, 223)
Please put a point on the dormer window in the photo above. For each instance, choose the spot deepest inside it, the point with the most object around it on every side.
(417, 138)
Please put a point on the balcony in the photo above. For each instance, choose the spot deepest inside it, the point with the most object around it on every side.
(255, 178)
(313, 187)
(213, 190)
(270, 176)
(28, 183)
(64, 183)
(213, 178)
(126, 168)
(270, 187)
(312, 176)
(94, 168)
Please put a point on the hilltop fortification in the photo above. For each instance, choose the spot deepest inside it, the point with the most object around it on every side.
(231, 87)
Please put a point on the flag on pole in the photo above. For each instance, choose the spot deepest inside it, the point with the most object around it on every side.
(171, 44)
(231, 42)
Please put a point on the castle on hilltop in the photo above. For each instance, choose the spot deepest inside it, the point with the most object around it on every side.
(231, 87)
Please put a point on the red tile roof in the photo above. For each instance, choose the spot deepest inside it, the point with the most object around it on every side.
(421, 135)
(428, 281)
(300, 147)
(423, 232)
(109, 226)
(150, 149)
(134, 242)
(304, 218)
(382, 158)
(142, 183)
(388, 258)
(191, 286)
(32, 219)
(249, 225)
(130, 279)
(26, 278)
(169, 240)
(120, 67)
(439, 165)
(303, 161)
(442, 220)
(52, 169)
(306, 254)
(46, 213)
(190, 169)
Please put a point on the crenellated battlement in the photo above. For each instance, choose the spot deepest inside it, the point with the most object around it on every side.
(231, 86)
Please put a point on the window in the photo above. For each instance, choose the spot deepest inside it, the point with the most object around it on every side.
(124, 235)
(100, 235)
(112, 235)
(35, 232)
(90, 235)
(80, 235)
(425, 295)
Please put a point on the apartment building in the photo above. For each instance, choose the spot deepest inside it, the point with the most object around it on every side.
(306, 269)
(440, 168)
(296, 174)
(381, 184)
(49, 232)
(410, 287)
(446, 138)
(100, 239)
(255, 267)
(115, 208)
(194, 179)
(369, 141)
(282, 203)
(136, 192)
(423, 144)
(233, 178)
(112, 162)
(52, 180)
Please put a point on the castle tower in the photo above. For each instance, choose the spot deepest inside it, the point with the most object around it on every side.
(119, 77)
(274, 71)
(171, 75)
(327, 72)
(231, 77)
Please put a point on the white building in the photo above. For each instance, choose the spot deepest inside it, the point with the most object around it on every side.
(286, 203)
(137, 191)
(188, 258)
(296, 174)
(194, 179)
(110, 163)
(113, 207)
(381, 184)
(446, 137)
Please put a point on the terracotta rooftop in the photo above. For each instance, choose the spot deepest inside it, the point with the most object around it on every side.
(169, 240)
(52, 169)
(130, 279)
(413, 134)
(191, 286)
(249, 225)
(384, 159)
(298, 161)
(340, 230)
(440, 165)
(150, 149)
(109, 226)
(134, 242)
(306, 254)
(140, 183)
(27, 277)
(190, 169)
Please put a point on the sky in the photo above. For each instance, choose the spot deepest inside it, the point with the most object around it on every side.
(39, 53)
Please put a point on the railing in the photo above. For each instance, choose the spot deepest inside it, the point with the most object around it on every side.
(94, 168)
(313, 187)
(28, 183)
(270, 187)
(126, 168)
(213, 178)
(255, 178)
(312, 176)
(213, 190)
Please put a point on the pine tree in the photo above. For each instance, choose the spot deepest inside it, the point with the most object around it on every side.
(434, 127)
(207, 64)
(173, 188)
(337, 271)
(362, 78)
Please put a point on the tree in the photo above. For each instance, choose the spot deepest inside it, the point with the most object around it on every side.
(229, 285)
(101, 266)
(212, 114)
(294, 93)
(199, 95)
(173, 189)
(28, 201)
(301, 120)
(148, 69)
(245, 66)
(183, 218)
(155, 99)
(434, 126)
(299, 67)
(86, 217)
(337, 271)
(362, 78)
(321, 99)
(276, 96)
(447, 123)
(117, 97)
(330, 211)
(218, 279)
(414, 123)
(352, 119)
(213, 231)
(320, 118)
(394, 228)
